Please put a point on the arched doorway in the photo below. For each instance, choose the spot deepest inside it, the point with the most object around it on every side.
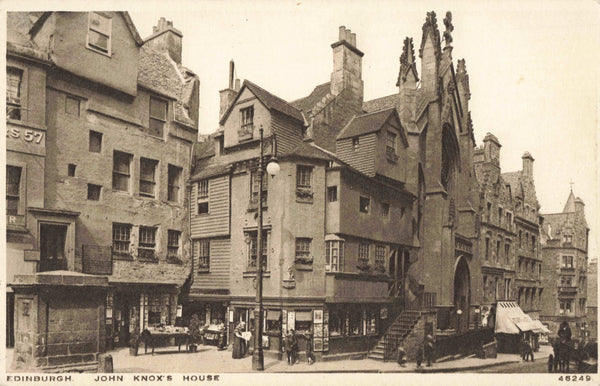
(462, 295)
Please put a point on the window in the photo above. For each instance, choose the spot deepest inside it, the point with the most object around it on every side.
(203, 248)
(121, 171)
(94, 192)
(567, 262)
(500, 216)
(121, 237)
(99, 33)
(173, 244)
(147, 177)
(355, 144)
(303, 176)
(251, 239)
(566, 281)
(489, 212)
(334, 255)
(13, 189)
(385, 210)
(565, 307)
(71, 170)
(332, 194)
(507, 252)
(355, 322)
(568, 238)
(174, 183)
(95, 142)
(303, 250)
(363, 253)
(203, 196)
(390, 143)
(380, 256)
(14, 77)
(246, 122)
(496, 288)
(336, 322)
(498, 250)
(72, 106)
(364, 204)
(520, 238)
(147, 243)
(533, 243)
(254, 186)
(158, 116)
(487, 248)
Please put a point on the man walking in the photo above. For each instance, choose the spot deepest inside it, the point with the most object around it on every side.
(428, 349)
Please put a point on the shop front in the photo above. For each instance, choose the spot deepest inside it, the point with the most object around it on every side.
(131, 304)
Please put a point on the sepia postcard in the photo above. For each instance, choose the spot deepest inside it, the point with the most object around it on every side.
(300, 191)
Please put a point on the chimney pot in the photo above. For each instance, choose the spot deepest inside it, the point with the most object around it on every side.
(342, 33)
(237, 85)
(353, 39)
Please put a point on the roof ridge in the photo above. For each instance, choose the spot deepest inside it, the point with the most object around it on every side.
(270, 93)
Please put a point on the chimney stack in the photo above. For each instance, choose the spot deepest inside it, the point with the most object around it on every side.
(227, 95)
(166, 38)
(347, 66)
(527, 165)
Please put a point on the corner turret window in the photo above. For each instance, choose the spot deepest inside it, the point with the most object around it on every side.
(14, 78)
(99, 33)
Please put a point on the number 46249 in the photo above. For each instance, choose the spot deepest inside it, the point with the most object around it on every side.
(575, 378)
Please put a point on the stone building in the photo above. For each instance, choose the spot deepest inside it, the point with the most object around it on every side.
(564, 272)
(373, 213)
(592, 299)
(117, 117)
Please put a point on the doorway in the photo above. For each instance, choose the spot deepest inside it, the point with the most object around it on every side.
(461, 295)
(53, 239)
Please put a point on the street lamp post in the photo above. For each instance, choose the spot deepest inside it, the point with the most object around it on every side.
(272, 169)
(458, 313)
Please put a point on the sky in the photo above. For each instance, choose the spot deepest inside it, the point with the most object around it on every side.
(533, 68)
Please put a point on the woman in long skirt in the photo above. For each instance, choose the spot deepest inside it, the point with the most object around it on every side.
(238, 342)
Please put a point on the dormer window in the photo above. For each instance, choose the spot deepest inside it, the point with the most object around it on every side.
(390, 144)
(246, 123)
(99, 33)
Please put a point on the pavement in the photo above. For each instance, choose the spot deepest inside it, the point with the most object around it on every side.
(210, 360)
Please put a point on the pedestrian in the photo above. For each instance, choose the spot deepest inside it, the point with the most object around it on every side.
(526, 350)
(294, 346)
(428, 349)
(564, 331)
(401, 353)
(287, 347)
(238, 342)
(310, 356)
(419, 357)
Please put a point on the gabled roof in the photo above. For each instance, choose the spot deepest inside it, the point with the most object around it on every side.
(309, 150)
(158, 72)
(134, 32)
(270, 101)
(385, 102)
(369, 123)
(513, 179)
(307, 103)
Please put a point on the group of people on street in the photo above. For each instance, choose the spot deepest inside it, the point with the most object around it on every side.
(290, 348)
(426, 352)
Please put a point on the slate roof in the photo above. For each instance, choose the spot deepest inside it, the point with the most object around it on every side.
(205, 169)
(364, 124)
(385, 102)
(158, 72)
(307, 103)
(514, 180)
(570, 204)
(309, 150)
(273, 102)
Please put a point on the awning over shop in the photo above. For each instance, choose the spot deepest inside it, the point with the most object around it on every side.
(510, 319)
(304, 316)
(273, 315)
(540, 328)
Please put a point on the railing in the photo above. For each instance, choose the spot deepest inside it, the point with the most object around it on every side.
(466, 343)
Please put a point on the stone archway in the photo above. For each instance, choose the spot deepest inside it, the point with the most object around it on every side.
(462, 295)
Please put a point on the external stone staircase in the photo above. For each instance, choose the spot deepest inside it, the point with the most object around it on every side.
(398, 331)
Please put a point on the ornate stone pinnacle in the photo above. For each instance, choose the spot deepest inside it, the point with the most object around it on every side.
(449, 28)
